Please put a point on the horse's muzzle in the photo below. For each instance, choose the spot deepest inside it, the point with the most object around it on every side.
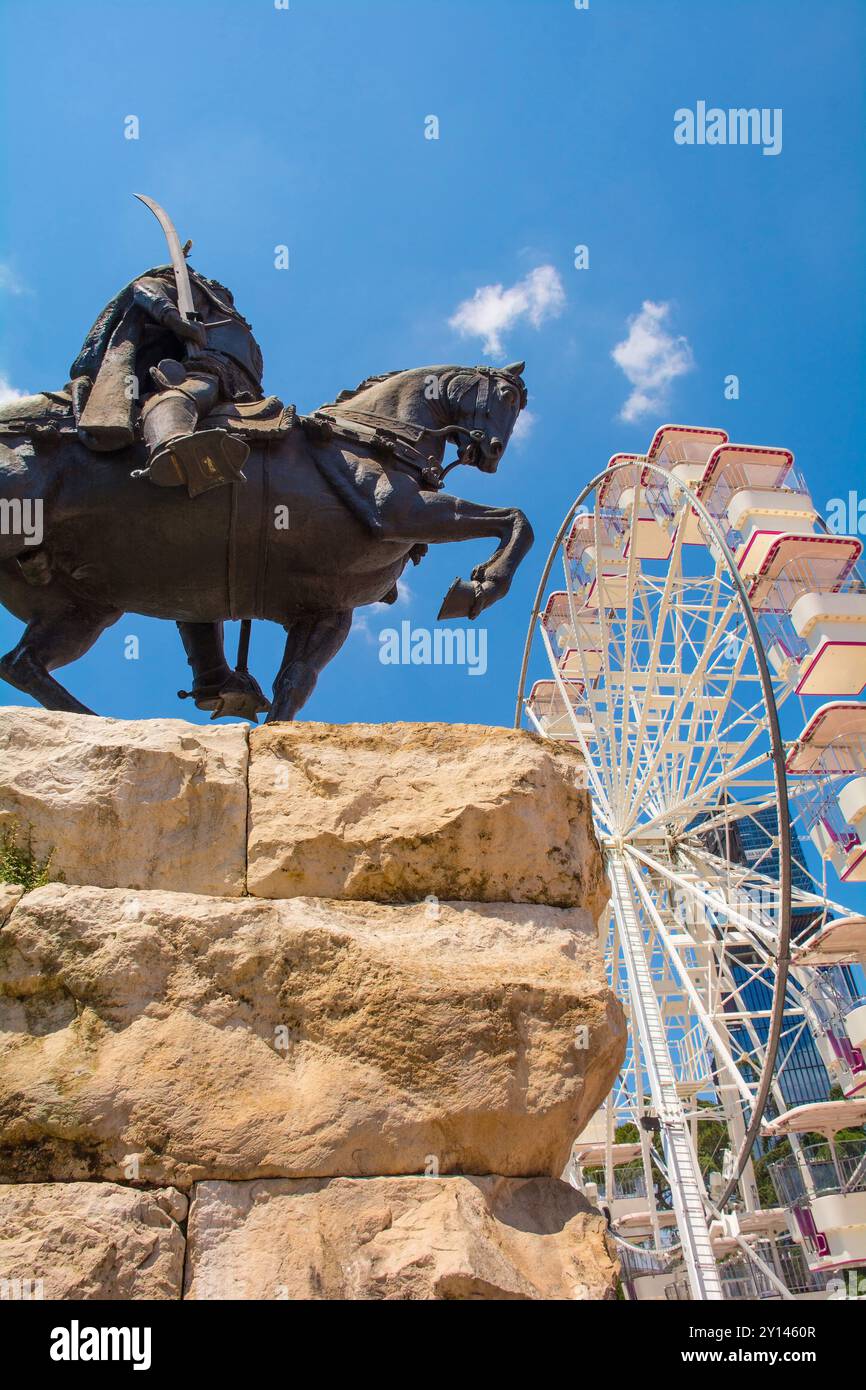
(483, 453)
(490, 455)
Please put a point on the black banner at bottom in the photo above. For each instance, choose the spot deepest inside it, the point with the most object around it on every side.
(209, 1337)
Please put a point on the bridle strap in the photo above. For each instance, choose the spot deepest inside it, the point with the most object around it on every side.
(380, 432)
(401, 439)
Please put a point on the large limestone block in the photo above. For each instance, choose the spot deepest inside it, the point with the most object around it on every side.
(400, 812)
(10, 894)
(145, 803)
(90, 1240)
(235, 1038)
(397, 1238)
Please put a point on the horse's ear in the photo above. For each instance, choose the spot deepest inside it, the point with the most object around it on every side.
(515, 368)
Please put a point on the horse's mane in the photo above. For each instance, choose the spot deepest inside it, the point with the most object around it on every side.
(348, 395)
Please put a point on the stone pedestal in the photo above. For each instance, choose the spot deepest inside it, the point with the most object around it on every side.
(337, 988)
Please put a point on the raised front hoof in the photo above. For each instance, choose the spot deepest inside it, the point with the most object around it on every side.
(460, 600)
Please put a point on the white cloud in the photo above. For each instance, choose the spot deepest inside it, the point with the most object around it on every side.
(8, 393)
(524, 425)
(9, 281)
(651, 359)
(493, 309)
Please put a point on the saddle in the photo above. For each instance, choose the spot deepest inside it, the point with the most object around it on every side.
(254, 421)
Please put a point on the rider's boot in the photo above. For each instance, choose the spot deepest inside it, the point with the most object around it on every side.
(177, 455)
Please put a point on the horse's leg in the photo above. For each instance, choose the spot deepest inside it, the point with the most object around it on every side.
(205, 652)
(435, 518)
(310, 644)
(216, 687)
(49, 642)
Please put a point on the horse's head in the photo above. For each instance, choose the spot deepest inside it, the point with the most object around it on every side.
(482, 405)
(473, 407)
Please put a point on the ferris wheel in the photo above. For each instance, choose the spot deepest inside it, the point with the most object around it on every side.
(704, 643)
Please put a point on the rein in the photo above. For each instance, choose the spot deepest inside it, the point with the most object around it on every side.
(388, 436)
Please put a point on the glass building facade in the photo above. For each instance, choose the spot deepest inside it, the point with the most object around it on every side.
(803, 1077)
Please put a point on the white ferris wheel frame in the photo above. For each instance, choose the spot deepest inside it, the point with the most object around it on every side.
(615, 805)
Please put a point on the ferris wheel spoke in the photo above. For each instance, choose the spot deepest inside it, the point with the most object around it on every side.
(715, 901)
(722, 701)
(669, 732)
(674, 566)
(688, 986)
(652, 668)
(708, 796)
(741, 808)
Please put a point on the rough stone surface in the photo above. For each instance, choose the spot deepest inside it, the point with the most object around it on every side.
(235, 1038)
(398, 812)
(91, 1240)
(10, 894)
(414, 988)
(397, 1238)
(148, 803)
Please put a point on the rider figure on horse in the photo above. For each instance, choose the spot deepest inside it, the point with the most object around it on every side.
(182, 369)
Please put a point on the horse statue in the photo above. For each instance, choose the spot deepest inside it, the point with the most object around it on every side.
(332, 509)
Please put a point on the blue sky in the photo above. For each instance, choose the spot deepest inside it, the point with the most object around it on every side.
(260, 127)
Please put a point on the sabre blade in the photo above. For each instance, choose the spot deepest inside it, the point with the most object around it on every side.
(178, 260)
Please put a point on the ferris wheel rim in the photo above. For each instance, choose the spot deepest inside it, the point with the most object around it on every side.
(782, 957)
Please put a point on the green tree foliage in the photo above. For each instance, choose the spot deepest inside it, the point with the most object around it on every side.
(18, 862)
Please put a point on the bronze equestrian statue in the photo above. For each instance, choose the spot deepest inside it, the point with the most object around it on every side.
(168, 485)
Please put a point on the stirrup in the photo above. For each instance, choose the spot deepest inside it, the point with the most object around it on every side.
(202, 461)
(238, 697)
